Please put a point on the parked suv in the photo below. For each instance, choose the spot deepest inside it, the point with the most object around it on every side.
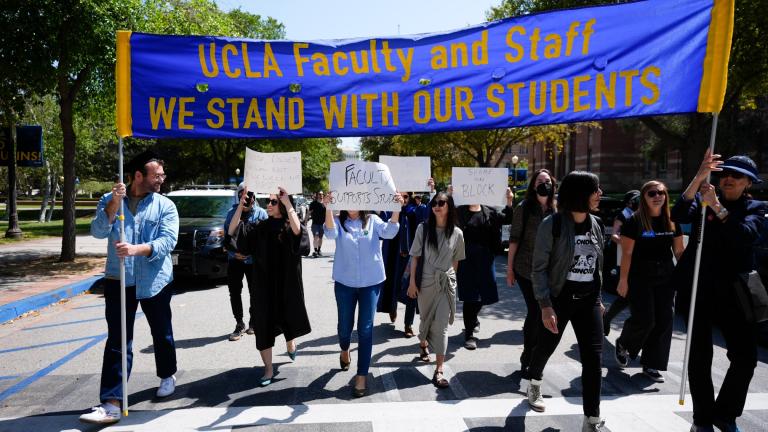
(200, 251)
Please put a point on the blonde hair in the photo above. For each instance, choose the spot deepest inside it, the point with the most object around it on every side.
(643, 212)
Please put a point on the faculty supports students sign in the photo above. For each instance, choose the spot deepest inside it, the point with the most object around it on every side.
(644, 58)
(357, 185)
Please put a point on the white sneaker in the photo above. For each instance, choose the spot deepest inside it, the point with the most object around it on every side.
(592, 424)
(534, 396)
(167, 386)
(105, 413)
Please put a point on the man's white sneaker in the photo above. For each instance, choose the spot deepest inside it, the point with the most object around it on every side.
(167, 386)
(105, 413)
(592, 424)
(534, 396)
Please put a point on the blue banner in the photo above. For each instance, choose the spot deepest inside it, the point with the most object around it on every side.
(634, 59)
(29, 146)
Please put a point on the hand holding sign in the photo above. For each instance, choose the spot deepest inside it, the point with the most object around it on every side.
(265, 172)
(357, 185)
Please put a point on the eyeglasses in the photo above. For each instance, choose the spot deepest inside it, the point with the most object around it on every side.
(159, 177)
(439, 203)
(273, 202)
(652, 193)
(732, 174)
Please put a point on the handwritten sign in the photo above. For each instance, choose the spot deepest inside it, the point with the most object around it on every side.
(486, 186)
(410, 173)
(264, 172)
(357, 185)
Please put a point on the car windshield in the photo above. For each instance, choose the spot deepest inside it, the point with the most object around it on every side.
(202, 206)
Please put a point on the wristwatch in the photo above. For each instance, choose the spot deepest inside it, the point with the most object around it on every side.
(722, 214)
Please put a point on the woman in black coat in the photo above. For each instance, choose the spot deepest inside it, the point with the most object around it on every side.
(733, 222)
(277, 245)
(476, 276)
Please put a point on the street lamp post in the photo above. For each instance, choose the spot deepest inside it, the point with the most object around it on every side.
(237, 176)
(515, 160)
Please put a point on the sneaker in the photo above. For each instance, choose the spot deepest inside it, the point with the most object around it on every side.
(592, 424)
(239, 328)
(621, 355)
(653, 374)
(471, 343)
(726, 426)
(477, 327)
(314, 254)
(105, 413)
(250, 330)
(695, 428)
(167, 386)
(534, 396)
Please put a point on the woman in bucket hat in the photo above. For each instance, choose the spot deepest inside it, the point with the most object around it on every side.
(732, 226)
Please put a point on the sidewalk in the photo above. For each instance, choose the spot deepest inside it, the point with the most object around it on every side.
(21, 292)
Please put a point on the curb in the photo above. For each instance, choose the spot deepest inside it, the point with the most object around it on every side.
(15, 309)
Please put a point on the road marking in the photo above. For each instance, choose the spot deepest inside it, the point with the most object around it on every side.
(646, 413)
(21, 385)
(387, 376)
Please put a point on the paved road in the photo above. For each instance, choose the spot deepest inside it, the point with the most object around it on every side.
(49, 374)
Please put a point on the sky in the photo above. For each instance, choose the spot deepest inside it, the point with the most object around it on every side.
(342, 19)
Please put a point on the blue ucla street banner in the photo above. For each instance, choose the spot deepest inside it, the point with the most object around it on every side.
(645, 58)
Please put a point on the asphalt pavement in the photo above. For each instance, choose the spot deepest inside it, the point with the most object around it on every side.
(50, 366)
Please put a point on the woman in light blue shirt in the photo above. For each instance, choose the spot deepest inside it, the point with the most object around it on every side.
(358, 270)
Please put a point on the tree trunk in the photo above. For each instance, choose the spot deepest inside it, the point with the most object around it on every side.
(68, 206)
(47, 193)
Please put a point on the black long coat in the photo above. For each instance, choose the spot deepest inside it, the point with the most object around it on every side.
(279, 290)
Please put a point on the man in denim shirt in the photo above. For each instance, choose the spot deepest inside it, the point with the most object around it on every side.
(239, 264)
(151, 231)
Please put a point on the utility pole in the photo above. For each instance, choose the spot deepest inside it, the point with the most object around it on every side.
(13, 231)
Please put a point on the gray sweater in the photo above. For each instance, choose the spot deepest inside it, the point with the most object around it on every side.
(552, 257)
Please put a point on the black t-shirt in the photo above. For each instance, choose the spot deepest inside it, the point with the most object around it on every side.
(317, 212)
(581, 276)
(653, 245)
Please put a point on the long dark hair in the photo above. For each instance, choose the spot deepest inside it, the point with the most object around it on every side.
(344, 215)
(450, 223)
(531, 200)
(283, 213)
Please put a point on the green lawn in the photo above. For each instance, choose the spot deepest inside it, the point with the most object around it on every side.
(34, 230)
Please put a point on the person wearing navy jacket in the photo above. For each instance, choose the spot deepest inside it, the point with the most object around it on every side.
(732, 225)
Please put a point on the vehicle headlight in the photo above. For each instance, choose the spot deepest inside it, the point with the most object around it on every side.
(216, 237)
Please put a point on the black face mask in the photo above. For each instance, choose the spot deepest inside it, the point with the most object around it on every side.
(544, 189)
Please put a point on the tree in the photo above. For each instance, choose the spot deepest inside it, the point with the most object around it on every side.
(744, 103)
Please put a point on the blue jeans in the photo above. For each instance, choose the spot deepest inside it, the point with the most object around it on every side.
(157, 309)
(347, 299)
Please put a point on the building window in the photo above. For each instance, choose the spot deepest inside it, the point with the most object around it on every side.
(661, 165)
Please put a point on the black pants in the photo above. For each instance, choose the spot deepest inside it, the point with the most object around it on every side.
(470, 311)
(649, 328)
(531, 324)
(587, 320)
(157, 309)
(741, 344)
(235, 271)
(615, 309)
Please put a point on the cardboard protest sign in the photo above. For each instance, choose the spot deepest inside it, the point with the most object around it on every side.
(264, 172)
(410, 173)
(487, 186)
(358, 185)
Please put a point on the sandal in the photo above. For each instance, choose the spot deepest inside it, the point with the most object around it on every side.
(424, 354)
(438, 379)
(409, 332)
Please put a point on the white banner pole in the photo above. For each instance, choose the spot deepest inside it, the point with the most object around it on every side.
(123, 335)
(696, 267)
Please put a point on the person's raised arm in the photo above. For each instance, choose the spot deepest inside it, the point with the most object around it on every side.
(238, 212)
(293, 218)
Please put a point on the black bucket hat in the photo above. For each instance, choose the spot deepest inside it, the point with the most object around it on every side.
(744, 165)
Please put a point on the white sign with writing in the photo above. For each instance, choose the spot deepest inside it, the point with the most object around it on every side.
(264, 172)
(487, 186)
(411, 173)
(358, 185)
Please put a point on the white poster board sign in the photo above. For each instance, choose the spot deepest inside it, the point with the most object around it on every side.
(487, 186)
(411, 173)
(264, 172)
(359, 185)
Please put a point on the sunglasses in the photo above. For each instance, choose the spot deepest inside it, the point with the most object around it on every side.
(439, 203)
(652, 193)
(273, 202)
(732, 174)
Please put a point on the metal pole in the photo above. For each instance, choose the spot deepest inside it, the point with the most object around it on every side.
(696, 267)
(123, 336)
